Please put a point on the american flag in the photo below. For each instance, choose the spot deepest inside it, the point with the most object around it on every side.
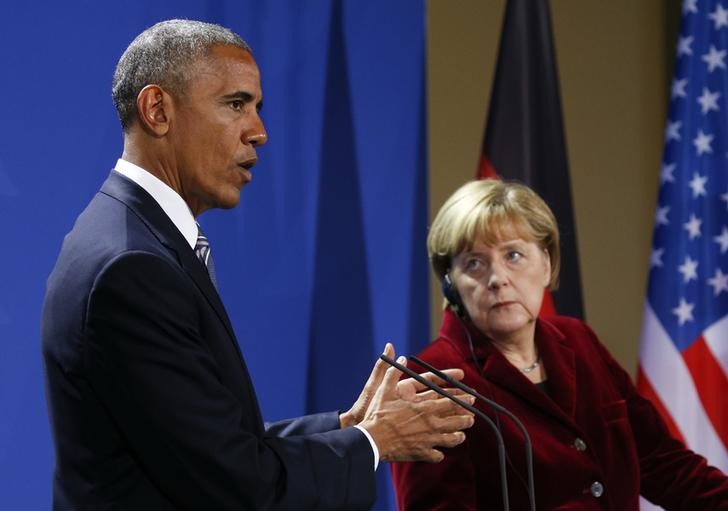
(684, 350)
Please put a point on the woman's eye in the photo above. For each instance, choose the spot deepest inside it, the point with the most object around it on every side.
(514, 255)
(472, 265)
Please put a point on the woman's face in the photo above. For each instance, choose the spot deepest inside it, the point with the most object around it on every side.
(502, 285)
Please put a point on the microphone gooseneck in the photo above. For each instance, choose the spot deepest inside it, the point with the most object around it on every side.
(432, 386)
(469, 390)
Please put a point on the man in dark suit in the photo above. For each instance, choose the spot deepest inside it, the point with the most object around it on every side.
(150, 401)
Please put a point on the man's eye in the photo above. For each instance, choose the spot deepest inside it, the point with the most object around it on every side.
(236, 105)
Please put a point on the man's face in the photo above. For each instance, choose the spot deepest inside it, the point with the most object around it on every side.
(216, 128)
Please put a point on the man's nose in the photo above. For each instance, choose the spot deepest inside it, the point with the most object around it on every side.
(256, 135)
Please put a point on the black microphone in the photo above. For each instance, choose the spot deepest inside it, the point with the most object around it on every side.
(469, 390)
(470, 408)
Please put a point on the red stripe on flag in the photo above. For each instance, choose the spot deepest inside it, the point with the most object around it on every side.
(711, 383)
(648, 391)
(547, 305)
(485, 169)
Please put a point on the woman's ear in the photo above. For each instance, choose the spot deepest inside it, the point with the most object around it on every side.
(547, 268)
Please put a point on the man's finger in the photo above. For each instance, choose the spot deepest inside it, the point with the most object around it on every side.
(457, 374)
(451, 439)
(433, 456)
(380, 367)
(405, 389)
(429, 394)
(453, 423)
(391, 377)
(444, 405)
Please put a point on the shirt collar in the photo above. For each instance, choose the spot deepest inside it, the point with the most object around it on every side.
(170, 201)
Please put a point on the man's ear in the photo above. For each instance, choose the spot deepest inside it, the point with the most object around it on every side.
(154, 107)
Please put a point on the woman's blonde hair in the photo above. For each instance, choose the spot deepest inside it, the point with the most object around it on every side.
(480, 211)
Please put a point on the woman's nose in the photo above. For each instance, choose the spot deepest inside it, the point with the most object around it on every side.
(497, 277)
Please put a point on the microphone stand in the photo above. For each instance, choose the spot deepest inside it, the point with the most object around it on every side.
(442, 392)
(469, 390)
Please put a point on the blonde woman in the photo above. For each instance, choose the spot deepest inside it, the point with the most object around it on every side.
(597, 444)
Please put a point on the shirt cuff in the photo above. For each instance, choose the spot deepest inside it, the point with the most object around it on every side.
(374, 446)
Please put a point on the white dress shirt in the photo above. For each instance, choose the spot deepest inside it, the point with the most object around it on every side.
(170, 201)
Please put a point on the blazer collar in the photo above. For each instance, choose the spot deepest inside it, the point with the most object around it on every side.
(557, 357)
(152, 215)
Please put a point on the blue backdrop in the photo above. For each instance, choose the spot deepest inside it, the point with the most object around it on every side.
(323, 261)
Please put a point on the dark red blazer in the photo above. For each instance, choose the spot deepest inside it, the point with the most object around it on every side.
(591, 427)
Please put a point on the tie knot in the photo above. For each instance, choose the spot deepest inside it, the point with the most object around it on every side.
(202, 251)
(201, 241)
(202, 245)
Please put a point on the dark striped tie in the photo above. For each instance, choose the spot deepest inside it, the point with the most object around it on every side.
(203, 253)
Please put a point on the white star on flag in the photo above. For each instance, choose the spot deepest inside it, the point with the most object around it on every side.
(719, 16)
(683, 45)
(689, 6)
(714, 58)
(709, 101)
(702, 142)
(684, 312)
(678, 88)
(656, 258)
(697, 185)
(722, 240)
(719, 282)
(689, 269)
(724, 198)
(661, 215)
(693, 226)
(672, 132)
(666, 173)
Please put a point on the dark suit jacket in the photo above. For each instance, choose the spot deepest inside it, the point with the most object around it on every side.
(150, 400)
(622, 442)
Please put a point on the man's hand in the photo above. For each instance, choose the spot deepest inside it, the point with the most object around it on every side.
(356, 413)
(407, 424)
(409, 389)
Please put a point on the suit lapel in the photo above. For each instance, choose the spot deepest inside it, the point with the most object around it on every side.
(149, 212)
(559, 362)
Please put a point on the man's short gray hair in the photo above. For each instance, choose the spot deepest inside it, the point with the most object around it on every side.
(162, 55)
